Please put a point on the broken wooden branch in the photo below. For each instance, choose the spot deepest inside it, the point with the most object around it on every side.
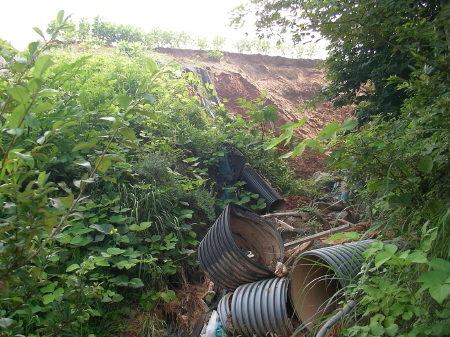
(317, 236)
(272, 215)
(303, 247)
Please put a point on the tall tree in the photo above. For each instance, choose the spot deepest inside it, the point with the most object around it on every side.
(370, 42)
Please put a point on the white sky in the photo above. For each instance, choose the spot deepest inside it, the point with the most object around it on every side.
(200, 17)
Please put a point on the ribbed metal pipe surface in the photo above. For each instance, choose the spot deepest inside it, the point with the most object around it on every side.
(257, 184)
(224, 311)
(260, 308)
(223, 251)
(318, 275)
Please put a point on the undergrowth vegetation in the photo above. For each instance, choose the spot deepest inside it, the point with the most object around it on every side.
(107, 182)
(391, 61)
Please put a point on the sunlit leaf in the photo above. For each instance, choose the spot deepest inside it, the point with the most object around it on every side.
(124, 101)
(73, 267)
(19, 93)
(37, 30)
(127, 133)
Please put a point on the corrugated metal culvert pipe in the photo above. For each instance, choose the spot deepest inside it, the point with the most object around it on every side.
(260, 308)
(257, 184)
(224, 311)
(318, 275)
(237, 232)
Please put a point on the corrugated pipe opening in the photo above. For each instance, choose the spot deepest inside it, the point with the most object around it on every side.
(261, 308)
(257, 184)
(224, 311)
(237, 233)
(317, 277)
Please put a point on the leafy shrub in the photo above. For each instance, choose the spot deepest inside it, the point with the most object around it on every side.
(214, 55)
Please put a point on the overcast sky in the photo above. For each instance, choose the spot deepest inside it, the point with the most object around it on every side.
(200, 17)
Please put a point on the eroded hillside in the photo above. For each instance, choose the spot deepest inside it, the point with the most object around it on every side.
(288, 83)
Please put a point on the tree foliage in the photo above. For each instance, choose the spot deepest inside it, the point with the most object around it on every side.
(369, 43)
(390, 59)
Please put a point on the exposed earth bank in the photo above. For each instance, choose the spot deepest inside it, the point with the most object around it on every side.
(287, 83)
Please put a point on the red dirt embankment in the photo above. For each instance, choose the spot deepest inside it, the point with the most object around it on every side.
(287, 83)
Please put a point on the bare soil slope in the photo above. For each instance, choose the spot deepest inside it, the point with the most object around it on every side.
(288, 83)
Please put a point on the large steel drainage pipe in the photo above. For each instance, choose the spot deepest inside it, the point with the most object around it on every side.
(262, 307)
(257, 184)
(318, 276)
(237, 232)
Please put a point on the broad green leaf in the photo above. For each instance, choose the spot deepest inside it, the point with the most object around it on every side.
(285, 136)
(151, 65)
(287, 126)
(440, 292)
(329, 130)
(32, 122)
(403, 199)
(105, 228)
(67, 201)
(299, 149)
(441, 265)
(121, 280)
(349, 124)
(37, 30)
(382, 257)
(127, 264)
(392, 330)
(425, 165)
(115, 251)
(42, 64)
(347, 236)
(29, 160)
(82, 145)
(391, 248)
(141, 227)
(103, 165)
(34, 84)
(376, 328)
(42, 178)
(48, 288)
(60, 17)
(136, 283)
(20, 94)
(117, 298)
(76, 240)
(300, 123)
(113, 180)
(129, 144)
(124, 101)
(84, 163)
(100, 261)
(47, 92)
(417, 257)
(48, 298)
(287, 155)
(128, 133)
(21, 64)
(73, 267)
(143, 112)
(150, 98)
(58, 292)
(41, 107)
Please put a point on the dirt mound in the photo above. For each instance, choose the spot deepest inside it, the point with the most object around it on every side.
(287, 83)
